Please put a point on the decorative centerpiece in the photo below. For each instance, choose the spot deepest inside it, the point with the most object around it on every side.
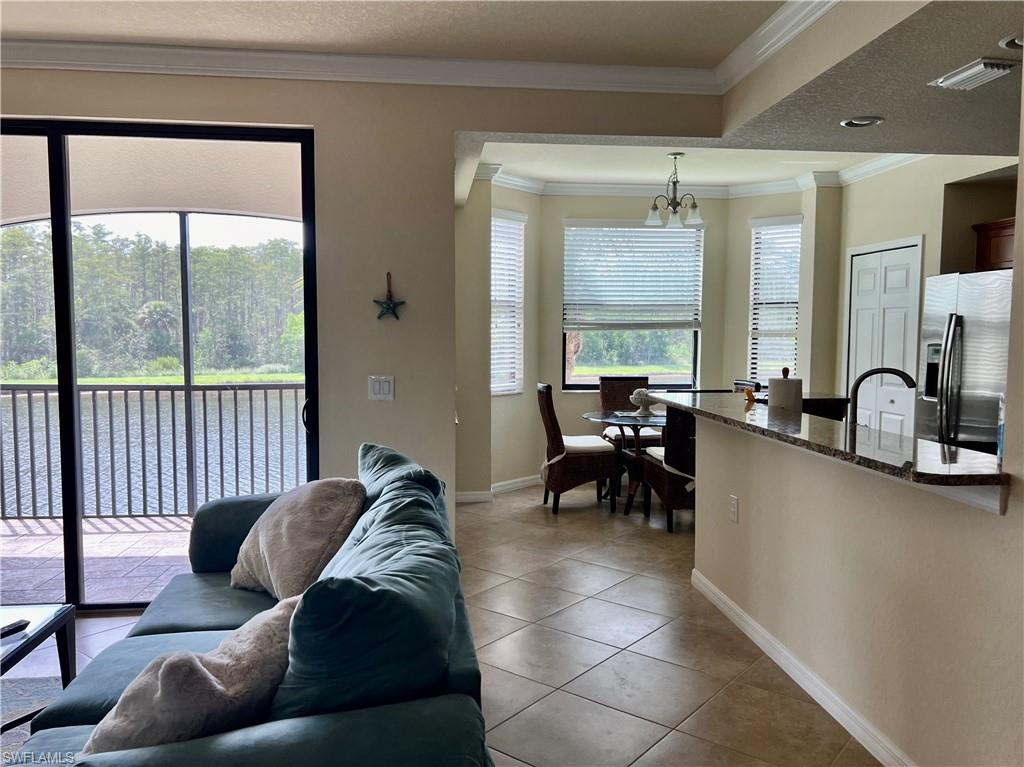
(642, 399)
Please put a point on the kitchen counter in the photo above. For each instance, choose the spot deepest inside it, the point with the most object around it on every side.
(920, 461)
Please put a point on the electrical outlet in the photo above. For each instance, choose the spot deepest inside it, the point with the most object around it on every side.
(734, 509)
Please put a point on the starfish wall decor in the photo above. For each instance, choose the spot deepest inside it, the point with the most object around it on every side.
(389, 305)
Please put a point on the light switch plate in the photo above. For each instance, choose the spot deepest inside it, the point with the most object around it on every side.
(381, 387)
(734, 509)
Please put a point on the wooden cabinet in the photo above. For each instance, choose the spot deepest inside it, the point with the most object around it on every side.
(995, 245)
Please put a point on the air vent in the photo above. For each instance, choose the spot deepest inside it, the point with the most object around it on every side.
(976, 73)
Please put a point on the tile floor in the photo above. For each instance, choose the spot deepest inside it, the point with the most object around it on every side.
(596, 650)
(92, 634)
(127, 559)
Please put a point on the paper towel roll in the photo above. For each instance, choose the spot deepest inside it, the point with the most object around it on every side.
(786, 393)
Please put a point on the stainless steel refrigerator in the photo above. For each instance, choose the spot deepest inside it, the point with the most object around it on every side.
(965, 332)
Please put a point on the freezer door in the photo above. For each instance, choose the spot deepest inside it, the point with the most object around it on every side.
(940, 303)
(979, 357)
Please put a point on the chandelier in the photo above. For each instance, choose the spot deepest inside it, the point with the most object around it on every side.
(672, 202)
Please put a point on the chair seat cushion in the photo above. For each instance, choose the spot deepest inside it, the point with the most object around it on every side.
(658, 453)
(646, 433)
(200, 602)
(95, 691)
(587, 443)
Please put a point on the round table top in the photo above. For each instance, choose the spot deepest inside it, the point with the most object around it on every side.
(627, 418)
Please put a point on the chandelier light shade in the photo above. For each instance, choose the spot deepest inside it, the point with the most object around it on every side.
(672, 202)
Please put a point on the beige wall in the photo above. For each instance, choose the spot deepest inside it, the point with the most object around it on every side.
(907, 605)
(473, 340)
(372, 141)
(517, 437)
(904, 202)
(965, 205)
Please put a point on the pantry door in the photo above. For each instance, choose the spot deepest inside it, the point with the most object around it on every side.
(884, 295)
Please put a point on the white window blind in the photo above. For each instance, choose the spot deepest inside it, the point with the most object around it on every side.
(507, 264)
(630, 277)
(774, 296)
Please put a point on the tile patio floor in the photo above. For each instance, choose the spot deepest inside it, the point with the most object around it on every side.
(126, 559)
(596, 650)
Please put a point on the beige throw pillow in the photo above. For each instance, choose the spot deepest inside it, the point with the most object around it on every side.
(295, 538)
(182, 695)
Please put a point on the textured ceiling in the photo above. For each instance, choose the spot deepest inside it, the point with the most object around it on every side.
(650, 165)
(676, 34)
(889, 77)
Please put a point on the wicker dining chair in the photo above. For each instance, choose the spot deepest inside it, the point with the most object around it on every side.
(615, 393)
(573, 461)
(670, 469)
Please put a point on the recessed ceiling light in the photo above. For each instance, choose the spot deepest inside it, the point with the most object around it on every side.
(1012, 43)
(861, 122)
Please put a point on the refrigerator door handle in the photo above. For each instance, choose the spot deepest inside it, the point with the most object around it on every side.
(943, 383)
(954, 358)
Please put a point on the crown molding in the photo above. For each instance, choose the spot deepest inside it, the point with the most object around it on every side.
(487, 171)
(874, 167)
(520, 184)
(287, 65)
(810, 180)
(563, 189)
(764, 188)
(785, 24)
(778, 31)
(818, 178)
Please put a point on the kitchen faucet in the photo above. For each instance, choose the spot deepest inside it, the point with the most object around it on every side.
(851, 415)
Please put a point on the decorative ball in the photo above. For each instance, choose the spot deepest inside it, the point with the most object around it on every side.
(642, 399)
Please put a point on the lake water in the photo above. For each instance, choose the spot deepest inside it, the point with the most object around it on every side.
(134, 449)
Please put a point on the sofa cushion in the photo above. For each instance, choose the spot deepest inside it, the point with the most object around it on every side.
(405, 505)
(444, 731)
(95, 691)
(297, 535)
(183, 695)
(200, 602)
(376, 637)
(381, 466)
(218, 529)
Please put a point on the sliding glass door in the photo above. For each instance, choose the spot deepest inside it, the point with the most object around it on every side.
(191, 367)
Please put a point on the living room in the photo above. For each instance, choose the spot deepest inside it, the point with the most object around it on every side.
(855, 617)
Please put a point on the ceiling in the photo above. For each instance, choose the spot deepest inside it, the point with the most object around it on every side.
(889, 77)
(665, 34)
(650, 165)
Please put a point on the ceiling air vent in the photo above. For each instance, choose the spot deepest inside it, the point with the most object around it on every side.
(976, 73)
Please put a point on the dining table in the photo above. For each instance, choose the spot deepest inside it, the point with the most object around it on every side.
(634, 421)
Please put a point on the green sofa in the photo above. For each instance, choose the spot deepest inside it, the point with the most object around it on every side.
(382, 669)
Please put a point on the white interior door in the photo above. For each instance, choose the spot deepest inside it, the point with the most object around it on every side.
(885, 287)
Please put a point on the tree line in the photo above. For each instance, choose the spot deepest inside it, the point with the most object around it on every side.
(246, 305)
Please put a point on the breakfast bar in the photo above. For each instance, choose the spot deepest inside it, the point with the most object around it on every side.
(969, 476)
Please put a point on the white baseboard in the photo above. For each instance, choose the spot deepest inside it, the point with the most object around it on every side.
(515, 484)
(883, 749)
(474, 496)
(483, 496)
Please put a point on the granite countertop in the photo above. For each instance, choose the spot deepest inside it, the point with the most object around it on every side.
(920, 461)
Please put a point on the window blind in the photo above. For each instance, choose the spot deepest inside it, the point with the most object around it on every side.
(629, 277)
(507, 264)
(774, 297)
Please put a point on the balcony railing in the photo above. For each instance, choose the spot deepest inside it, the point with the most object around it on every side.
(147, 451)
